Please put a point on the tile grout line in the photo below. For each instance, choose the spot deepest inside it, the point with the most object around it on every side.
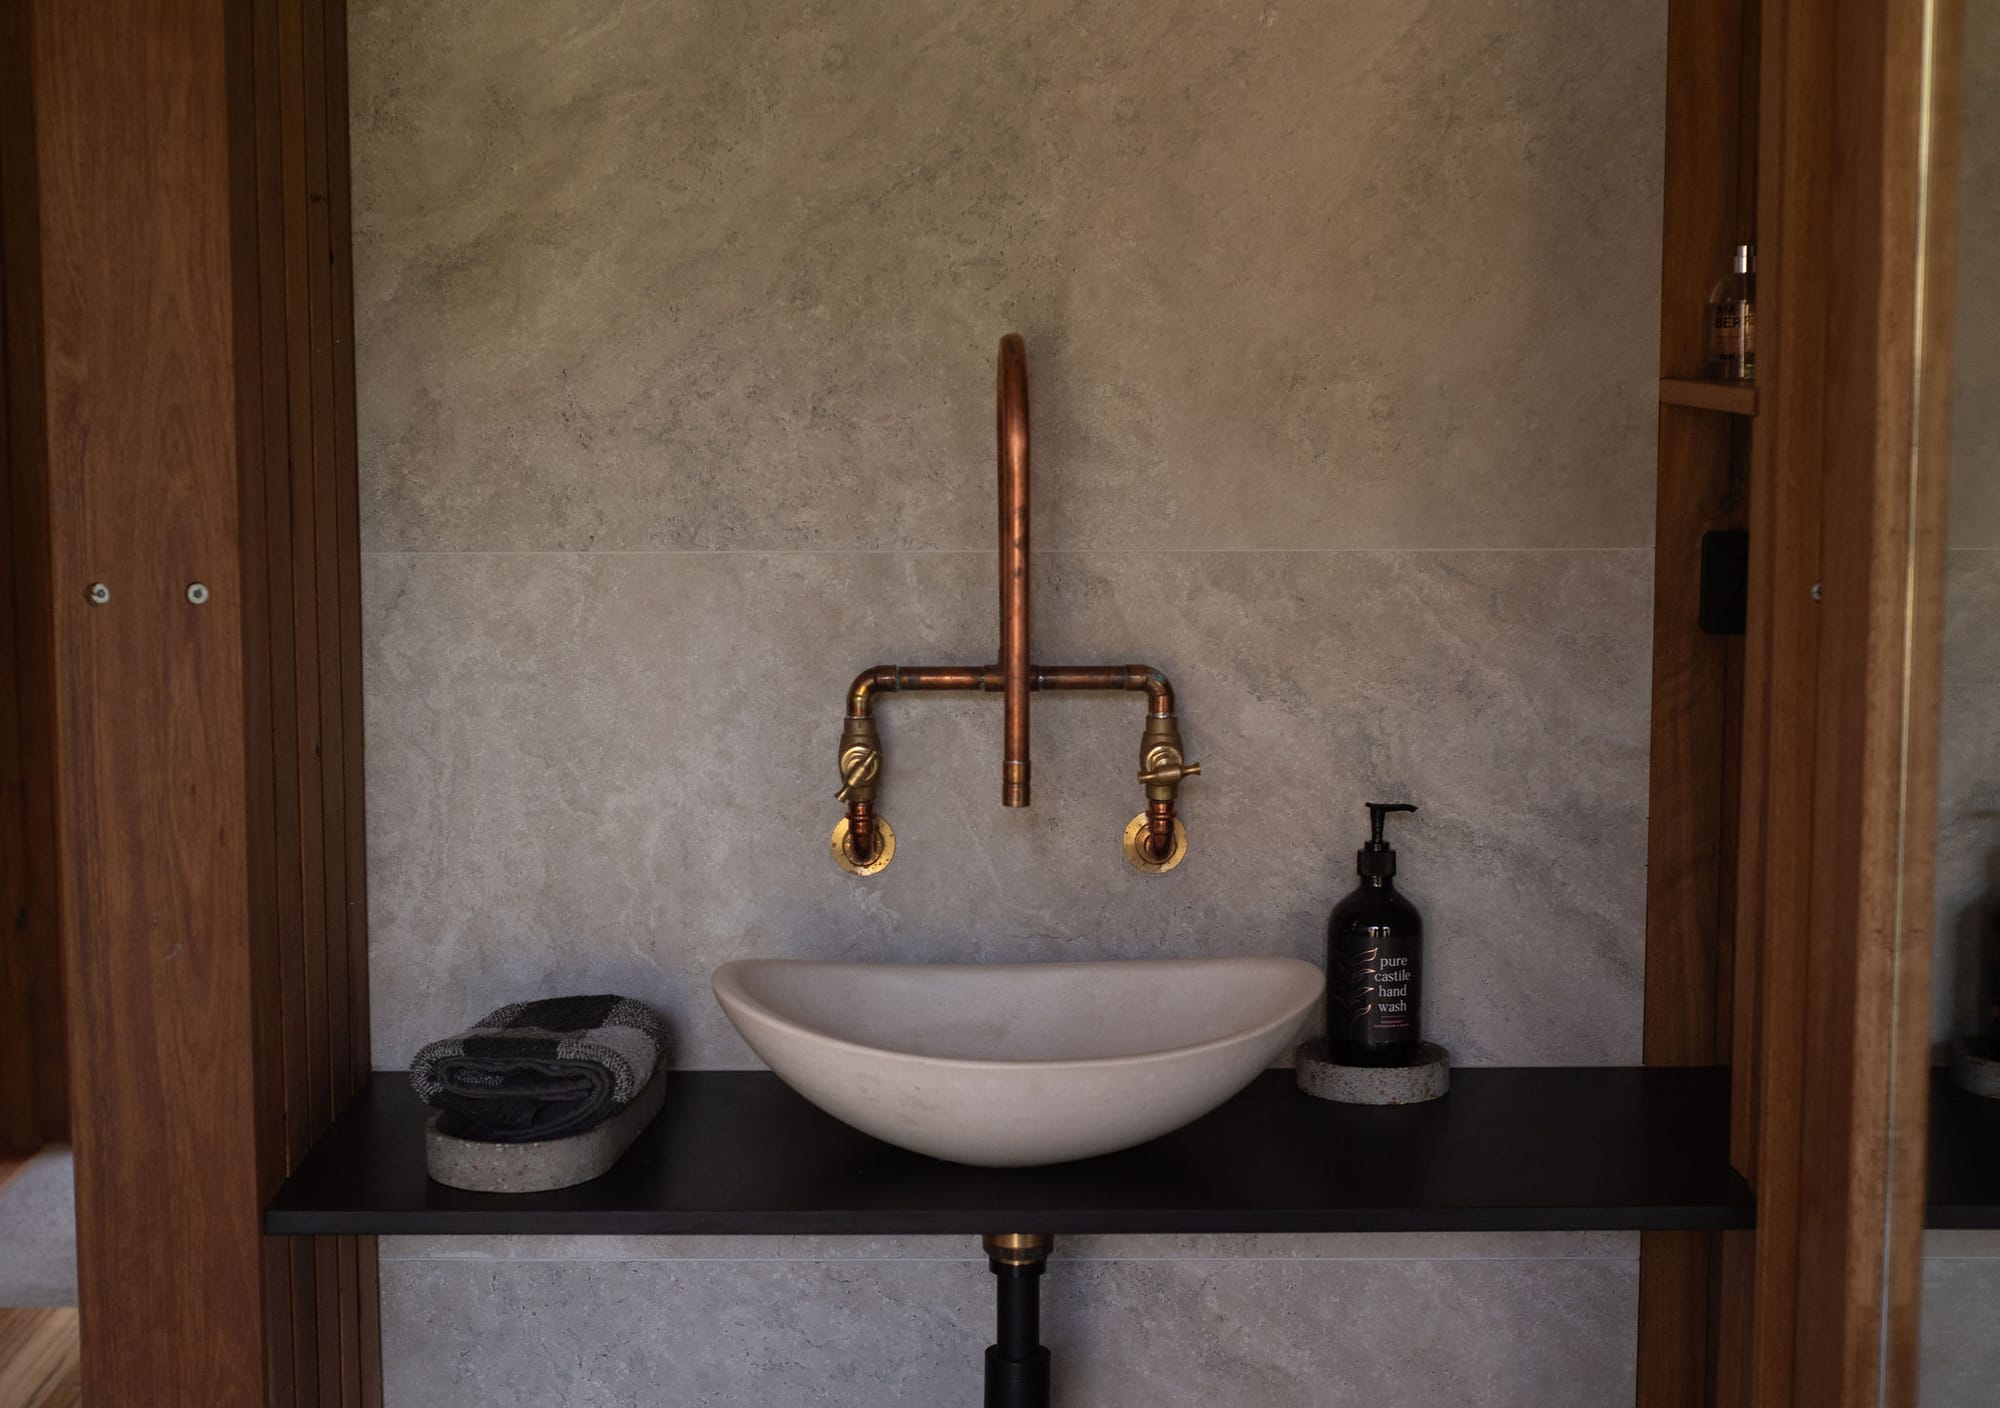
(988, 552)
(975, 1260)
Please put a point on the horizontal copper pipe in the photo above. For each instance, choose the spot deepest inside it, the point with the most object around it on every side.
(891, 678)
(882, 678)
(1160, 694)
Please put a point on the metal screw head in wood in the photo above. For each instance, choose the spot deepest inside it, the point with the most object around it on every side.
(197, 593)
(99, 593)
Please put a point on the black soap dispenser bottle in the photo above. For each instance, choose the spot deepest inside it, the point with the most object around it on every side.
(1374, 960)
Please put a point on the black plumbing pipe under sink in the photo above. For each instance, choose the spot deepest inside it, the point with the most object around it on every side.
(1017, 1368)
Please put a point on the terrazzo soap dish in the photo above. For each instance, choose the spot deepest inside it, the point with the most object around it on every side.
(1426, 1077)
(541, 1095)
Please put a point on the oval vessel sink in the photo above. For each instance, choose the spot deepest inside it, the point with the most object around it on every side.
(1011, 1064)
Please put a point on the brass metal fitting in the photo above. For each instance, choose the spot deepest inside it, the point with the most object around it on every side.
(1163, 766)
(863, 841)
(1156, 841)
(860, 761)
(1017, 1248)
(883, 852)
(1139, 848)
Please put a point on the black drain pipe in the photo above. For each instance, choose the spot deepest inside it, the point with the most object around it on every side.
(1017, 1368)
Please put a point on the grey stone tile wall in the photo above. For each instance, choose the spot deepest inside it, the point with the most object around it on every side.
(675, 329)
(1958, 1352)
(1960, 1362)
(1203, 1323)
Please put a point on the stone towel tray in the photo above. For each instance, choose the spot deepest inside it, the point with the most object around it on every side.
(1320, 1076)
(538, 1167)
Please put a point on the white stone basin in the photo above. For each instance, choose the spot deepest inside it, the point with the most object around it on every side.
(1011, 1064)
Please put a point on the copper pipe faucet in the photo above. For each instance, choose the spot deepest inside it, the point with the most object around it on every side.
(1010, 421)
(1156, 839)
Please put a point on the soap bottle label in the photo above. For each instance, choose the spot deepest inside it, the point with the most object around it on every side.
(1372, 990)
(1392, 994)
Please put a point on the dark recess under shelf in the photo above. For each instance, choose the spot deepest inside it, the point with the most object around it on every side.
(736, 1152)
(1964, 1179)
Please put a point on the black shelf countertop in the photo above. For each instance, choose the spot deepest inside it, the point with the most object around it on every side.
(736, 1152)
(1964, 1180)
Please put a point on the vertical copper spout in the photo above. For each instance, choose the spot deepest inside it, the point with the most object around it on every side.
(1011, 424)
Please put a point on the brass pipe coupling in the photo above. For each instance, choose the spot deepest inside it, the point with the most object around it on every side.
(863, 842)
(1156, 839)
(1017, 1248)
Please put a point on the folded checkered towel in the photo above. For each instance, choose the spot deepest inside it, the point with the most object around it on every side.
(540, 1070)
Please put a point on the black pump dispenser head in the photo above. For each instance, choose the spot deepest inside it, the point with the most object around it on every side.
(1378, 857)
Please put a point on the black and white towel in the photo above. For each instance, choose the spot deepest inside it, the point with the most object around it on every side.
(541, 1070)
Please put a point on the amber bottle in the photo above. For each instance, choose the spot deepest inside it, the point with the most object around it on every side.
(1374, 960)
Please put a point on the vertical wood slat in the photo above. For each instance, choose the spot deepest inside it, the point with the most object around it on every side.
(136, 166)
(1780, 723)
(201, 309)
(34, 1095)
(1692, 774)
(19, 1129)
(1865, 1061)
(363, 1334)
(1835, 869)
(347, 541)
(318, 740)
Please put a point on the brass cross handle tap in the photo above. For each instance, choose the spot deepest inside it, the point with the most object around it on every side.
(1167, 771)
(858, 766)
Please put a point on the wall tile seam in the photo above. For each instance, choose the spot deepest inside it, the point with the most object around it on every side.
(1059, 1261)
(988, 552)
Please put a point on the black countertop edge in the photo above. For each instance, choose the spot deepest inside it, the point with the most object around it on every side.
(513, 1222)
(737, 1153)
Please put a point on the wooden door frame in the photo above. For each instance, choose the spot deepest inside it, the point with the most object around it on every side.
(1791, 939)
(193, 277)
(1847, 509)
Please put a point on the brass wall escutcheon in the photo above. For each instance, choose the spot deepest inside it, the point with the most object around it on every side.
(1141, 855)
(885, 848)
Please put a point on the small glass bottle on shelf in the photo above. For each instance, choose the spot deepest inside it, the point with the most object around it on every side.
(1732, 320)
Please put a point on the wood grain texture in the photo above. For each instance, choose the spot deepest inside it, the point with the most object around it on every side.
(312, 570)
(1841, 715)
(208, 754)
(1690, 710)
(38, 1359)
(139, 302)
(1695, 714)
(34, 1096)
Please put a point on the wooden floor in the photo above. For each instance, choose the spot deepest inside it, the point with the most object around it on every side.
(38, 1359)
(37, 1348)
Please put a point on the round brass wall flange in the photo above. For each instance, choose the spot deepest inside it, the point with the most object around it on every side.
(1141, 858)
(885, 848)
